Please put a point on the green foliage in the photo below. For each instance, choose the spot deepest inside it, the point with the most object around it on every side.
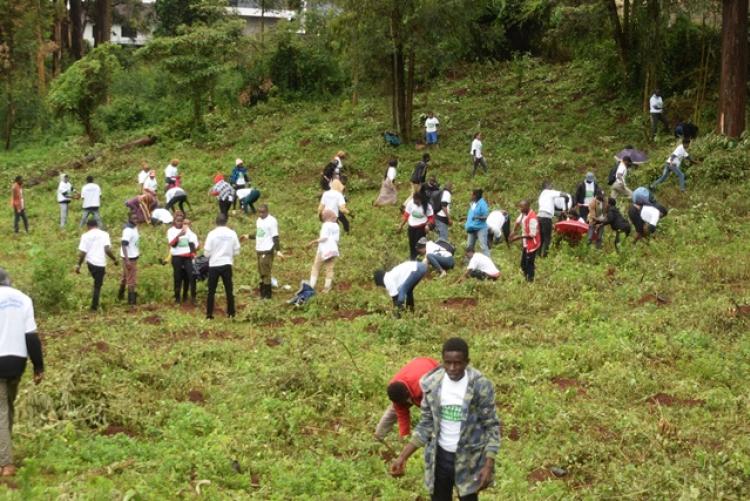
(172, 14)
(51, 286)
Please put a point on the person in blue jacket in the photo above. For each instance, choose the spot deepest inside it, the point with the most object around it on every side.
(476, 222)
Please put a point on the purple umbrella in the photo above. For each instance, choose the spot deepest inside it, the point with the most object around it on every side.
(637, 156)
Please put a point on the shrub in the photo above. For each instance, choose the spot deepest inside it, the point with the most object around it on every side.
(50, 282)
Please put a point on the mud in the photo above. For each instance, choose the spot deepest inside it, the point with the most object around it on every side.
(459, 302)
(564, 384)
(540, 475)
(666, 400)
(152, 320)
(196, 397)
(657, 299)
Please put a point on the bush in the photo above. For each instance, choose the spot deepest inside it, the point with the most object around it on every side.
(50, 282)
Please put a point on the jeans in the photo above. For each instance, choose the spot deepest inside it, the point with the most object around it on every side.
(527, 264)
(668, 167)
(477, 162)
(596, 235)
(655, 119)
(545, 229)
(64, 206)
(182, 274)
(415, 233)
(97, 273)
(406, 291)
(18, 215)
(442, 229)
(225, 272)
(91, 212)
(445, 478)
(441, 263)
(481, 235)
(8, 392)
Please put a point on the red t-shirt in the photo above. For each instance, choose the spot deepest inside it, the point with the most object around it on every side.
(410, 374)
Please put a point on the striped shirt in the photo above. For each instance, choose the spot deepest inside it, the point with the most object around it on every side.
(223, 191)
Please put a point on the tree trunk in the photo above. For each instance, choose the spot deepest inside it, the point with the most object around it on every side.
(398, 75)
(617, 33)
(10, 115)
(394, 111)
(733, 93)
(76, 29)
(88, 127)
(410, 91)
(57, 40)
(41, 50)
(103, 22)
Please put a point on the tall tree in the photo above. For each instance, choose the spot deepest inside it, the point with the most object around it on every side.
(76, 29)
(733, 93)
(102, 21)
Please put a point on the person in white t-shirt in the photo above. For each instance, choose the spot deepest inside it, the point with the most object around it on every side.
(400, 282)
(443, 220)
(177, 196)
(65, 194)
(334, 201)
(431, 124)
(656, 109)
(328, 249)
(222, 244)
(91, 195)
(94, 247)
(129, 252)
(619, 187)
(439, 254)
(143, 174)
(150, 184)
(480, 266)
(18, 342)
(388, 194)
(673, 164)
(171, 172)
(182, 246)
(267, 245)
(498, 226)
(476, 154)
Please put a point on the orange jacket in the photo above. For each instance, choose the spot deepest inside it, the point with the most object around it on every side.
(410, 374)
(16, 199)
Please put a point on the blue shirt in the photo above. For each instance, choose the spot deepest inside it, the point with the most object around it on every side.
(478, 209)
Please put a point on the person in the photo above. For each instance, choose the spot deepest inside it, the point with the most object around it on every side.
(617, 222)
(498, 226)
(476, 154)
(400, 283)
(141, 206)
(19, 204)
(18, 342)
(530, 239)
(239, 177)
(129, 252)
(171, 173)
(673, 163)
(429, 188)
(388, 194)
(656, 109)
(404, 391)
(544, 215)
(65, 193)
(644, 219)
(94, 247)
(458, 427)
(224, 194)
(176, 196)
(585, 193)
(419, 175)
(267, 244)
(441, 205)
(143, 174)
(247, 197)
(329, 174)
(644, 196)
(222, 244)
(480, 267)
(183, 244)
(476, 222)
(328, 250)
(150, 185)
(431, 129)
(439, 254)
(334, 201)
(338, 160)
(161, 216)
(686, 130)
(597, 216)
(91, 195)
(419, 216)
(619, 187)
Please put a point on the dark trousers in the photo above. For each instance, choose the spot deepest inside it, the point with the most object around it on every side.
(477, 163)
(179, 200)
(224, 206)
(97, 272)
(527, 264)
(584, 213)
(655, 119)
(182, 273)
(225, 272)
(18, 215)
(415, 233)
(545, 229)
(445, 478)
(344, 222)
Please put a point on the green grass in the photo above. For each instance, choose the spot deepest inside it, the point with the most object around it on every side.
(293, 395)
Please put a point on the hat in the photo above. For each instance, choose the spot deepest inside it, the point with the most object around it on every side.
(590, 177)
(218, 177)
(238, 161)
(422, 242)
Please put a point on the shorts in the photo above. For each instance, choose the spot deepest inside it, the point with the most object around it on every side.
(431, 137)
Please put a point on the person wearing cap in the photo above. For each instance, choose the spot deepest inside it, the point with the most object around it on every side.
(328, 249)
(65, 193)
(150, 184)
(143, 173)
(19, 204)
(400, 282)
(95, 247)
(238, 178)
(585, 193)
(224, 194)
(171, 172)
(619, 187)
(480, 267)
(439, 254)
(18, 342)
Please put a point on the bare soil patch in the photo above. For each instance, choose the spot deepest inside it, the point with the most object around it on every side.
(114, 429)
(657, 299)
(344, 286)
(459, 302)
(672, 401)
(371, 328)
(564, 384)
(196, 396)
(101, 346)
(272, 342)
(514, 434)
(152, 320)
(540, 475)
(351, 314)
(299, 320)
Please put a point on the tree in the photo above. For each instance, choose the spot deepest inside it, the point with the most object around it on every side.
(171, 14)
(84, 86)
(76, 29)
(733, 93)
(102, 21)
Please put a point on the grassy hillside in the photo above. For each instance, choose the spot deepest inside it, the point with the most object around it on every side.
(628, 370)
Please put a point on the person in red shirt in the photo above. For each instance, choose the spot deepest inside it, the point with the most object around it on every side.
(18, 204)
(404, 391)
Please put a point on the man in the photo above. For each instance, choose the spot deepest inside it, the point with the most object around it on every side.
(617, 222)
(441, 206)
(182, 246)
(439, 254)
(480, 267)
(673, 165)
(64, 196)
(585, 193)
(267, 245)
(94, 247)
(419, 175)
(238, 178)
(544, 216)
(597, 216)
(334, 201)
(644, 196)
(176, 196)
(18, 341)
(644, 219)
(18, 204)
(91, 195)
(619, 187)
(220, 248)
(171, 172)
(224, 194)
(400, 282)
(476, 222)
(459, 427)
(498, 226)
(430, 129)
(530, 239)
(404, 391)
(476, 154)
(129, 252)
(143, 174)
(656, 108)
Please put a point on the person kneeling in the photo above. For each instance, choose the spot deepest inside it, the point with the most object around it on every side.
(480, 267)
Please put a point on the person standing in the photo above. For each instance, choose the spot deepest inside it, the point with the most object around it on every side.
(222, 244)
(91, 195)
(19, 204)
(431, 129)
(459, 428)
(94, 247)
(403, 392)
(129, 252)
(545, 214)
(673, 163)
(18, 342)
(183, 244)
(224, 194)
(585, 193)
(64, 196)
(328, 249)
(338, 160)
(476, 154)
(334, 201)
(150, 185)
(439, 254)
(597, 215)
(530, 239)
(418, 214)
(419, 175)
(267, 245)
(619, 187)
(171, 173)
(400, 283)
(388, 194)
(442, 210)
(476, 222)
(656, 109)
(143, 174)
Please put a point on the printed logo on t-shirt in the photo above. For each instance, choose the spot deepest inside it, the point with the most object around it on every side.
(452, 413)
(417, 214)
(260, 233)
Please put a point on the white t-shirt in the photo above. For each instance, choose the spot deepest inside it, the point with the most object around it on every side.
(142, 176)
(655, 104)
(150, 184)
(417, 214)
(265, 230)
(650, 215)
(16, 321)
(430, 125)
(170, 171)
(678, 155)
(243, 192)
(332, 200)
(131, 236)
(62, 189)
(397, 276)
(452, 395)
(622, 170)
(562, 202)
(183, 244)
(589, 192)
(173, 192)
(222, 244)
(547, 203)
(330, 247)
(482, 263)
(476, 148)
(162, 215)
(445, 198)
(91, 195)
(495, 222)
(391, 173)
(93, 243)
(433, 248)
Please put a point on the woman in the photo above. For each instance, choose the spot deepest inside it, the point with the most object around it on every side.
(183, 244)
(238, 178)
(141, 206)
(64, 196)
(476, 222)
(418, 214)
(328, 249)
(388, 194)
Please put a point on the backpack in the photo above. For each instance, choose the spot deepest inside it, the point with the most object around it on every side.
(612, 177)
(436, 201)
(419, 173)
(200, 268)
(446, 245)
(303, 294)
